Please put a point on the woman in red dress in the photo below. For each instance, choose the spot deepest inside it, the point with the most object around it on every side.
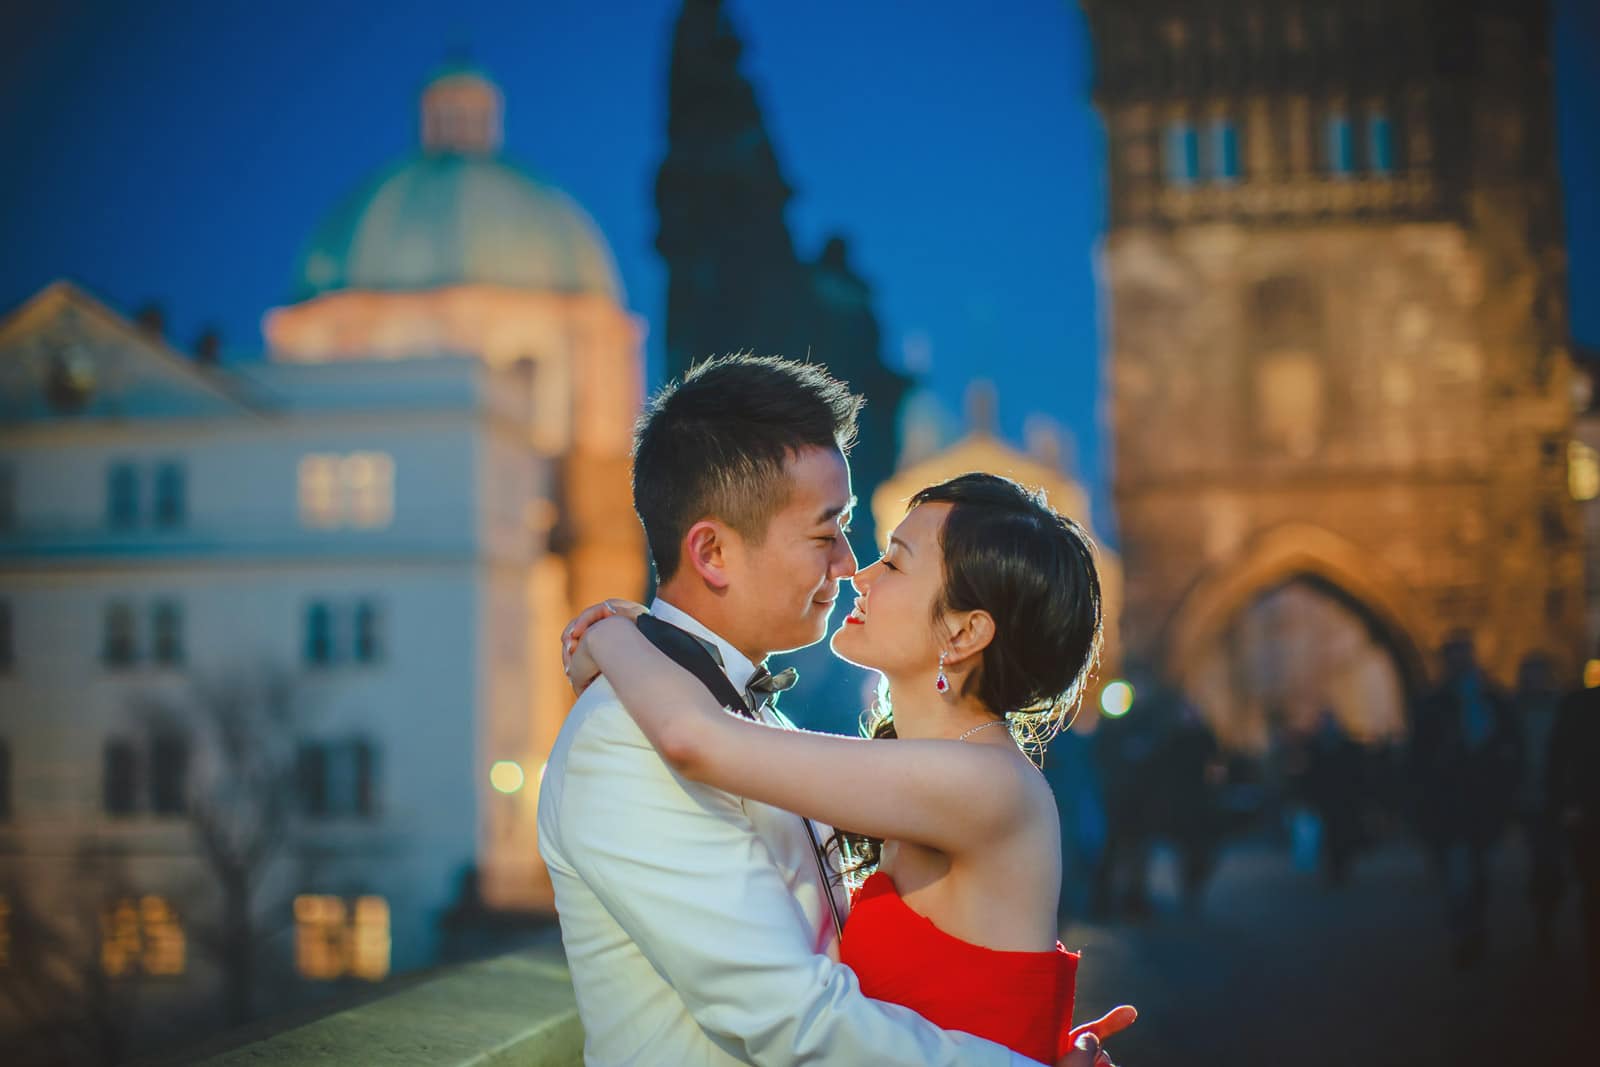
(984, 618)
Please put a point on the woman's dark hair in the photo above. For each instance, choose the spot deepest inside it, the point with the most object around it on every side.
(715, 444)
(1007, 552)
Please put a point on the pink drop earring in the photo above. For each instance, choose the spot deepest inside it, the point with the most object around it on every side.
(941, 683)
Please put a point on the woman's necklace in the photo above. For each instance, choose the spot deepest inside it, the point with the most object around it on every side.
(980, 726)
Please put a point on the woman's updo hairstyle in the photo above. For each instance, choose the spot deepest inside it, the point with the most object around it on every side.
(1007, 552)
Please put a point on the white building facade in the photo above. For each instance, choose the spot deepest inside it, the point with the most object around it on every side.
(389, 517)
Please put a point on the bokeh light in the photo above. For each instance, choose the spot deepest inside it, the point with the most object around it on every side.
(506, 776)
(1116, 699)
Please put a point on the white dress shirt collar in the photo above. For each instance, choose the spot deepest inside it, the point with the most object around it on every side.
(735, 664)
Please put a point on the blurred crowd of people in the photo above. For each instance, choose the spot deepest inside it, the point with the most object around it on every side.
(1478, 764)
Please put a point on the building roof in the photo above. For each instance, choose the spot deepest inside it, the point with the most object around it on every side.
(445, 219)
(455, 213)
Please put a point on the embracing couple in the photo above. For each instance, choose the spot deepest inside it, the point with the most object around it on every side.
(734, 890)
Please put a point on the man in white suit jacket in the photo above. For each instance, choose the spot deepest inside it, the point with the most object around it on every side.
(697, 924)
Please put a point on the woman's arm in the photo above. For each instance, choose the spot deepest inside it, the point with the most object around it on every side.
(948, 796)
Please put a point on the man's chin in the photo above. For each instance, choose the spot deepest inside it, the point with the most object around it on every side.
(804, 636)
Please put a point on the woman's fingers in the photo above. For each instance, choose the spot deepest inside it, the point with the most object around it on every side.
(1112, 1022)
(585, 619)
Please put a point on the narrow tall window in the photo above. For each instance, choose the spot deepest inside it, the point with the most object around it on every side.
(5, 780)
(166, 630)
(164, 945)
(1181, 153)
(1583, 471)
(369, 942)
(121, 778)
(1380, 144)
(311, 768)
(172, 505)
(1224, 150)
(8, 496)
(319, 491)
(368, 644)
(119, 644)
(321, 937)
(366, 761)
(1341, 154)
(7, 635)
(369, 489)
(122, 496)
(319, 634)
(169, 774)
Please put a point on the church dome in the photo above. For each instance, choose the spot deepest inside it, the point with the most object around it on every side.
(457, 214)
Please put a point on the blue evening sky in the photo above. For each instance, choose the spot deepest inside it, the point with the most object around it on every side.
(182, 152)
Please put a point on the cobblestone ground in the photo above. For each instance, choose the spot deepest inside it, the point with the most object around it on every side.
(1277, 970)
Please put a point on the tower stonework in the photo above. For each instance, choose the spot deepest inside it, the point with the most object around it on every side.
(1337, 291)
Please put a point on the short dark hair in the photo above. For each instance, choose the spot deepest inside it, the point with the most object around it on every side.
(715, 444)
(1007, 552)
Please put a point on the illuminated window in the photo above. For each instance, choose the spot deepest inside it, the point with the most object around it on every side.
(335, 940)
(369, 948)
(319, 491)
(352, 490)
(164, 945)
(368, 479)
(119, 938)
(141, 937)
(1583, 471)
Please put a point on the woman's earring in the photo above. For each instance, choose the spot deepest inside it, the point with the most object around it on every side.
(941, 683)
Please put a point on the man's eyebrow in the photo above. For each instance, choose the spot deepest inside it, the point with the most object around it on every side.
(893, 540)
(829, 514)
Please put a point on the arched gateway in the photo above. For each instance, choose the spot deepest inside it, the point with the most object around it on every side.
(1297, 623)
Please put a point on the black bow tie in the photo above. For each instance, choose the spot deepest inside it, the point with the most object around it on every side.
(764, 686)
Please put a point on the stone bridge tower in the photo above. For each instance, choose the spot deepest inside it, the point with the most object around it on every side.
(1340, 395)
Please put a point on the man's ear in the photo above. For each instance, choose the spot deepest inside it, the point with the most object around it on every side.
(706, 548)
(972, 633)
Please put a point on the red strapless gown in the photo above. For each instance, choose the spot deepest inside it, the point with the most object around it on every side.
(1022, 1000)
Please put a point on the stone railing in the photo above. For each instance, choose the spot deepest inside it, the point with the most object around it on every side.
(515, 1010)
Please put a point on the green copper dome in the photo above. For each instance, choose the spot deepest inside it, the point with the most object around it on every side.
(456, 214)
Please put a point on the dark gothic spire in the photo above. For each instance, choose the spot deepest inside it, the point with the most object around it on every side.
(721, 197)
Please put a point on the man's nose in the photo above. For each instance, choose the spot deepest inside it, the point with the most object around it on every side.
(844, 565)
